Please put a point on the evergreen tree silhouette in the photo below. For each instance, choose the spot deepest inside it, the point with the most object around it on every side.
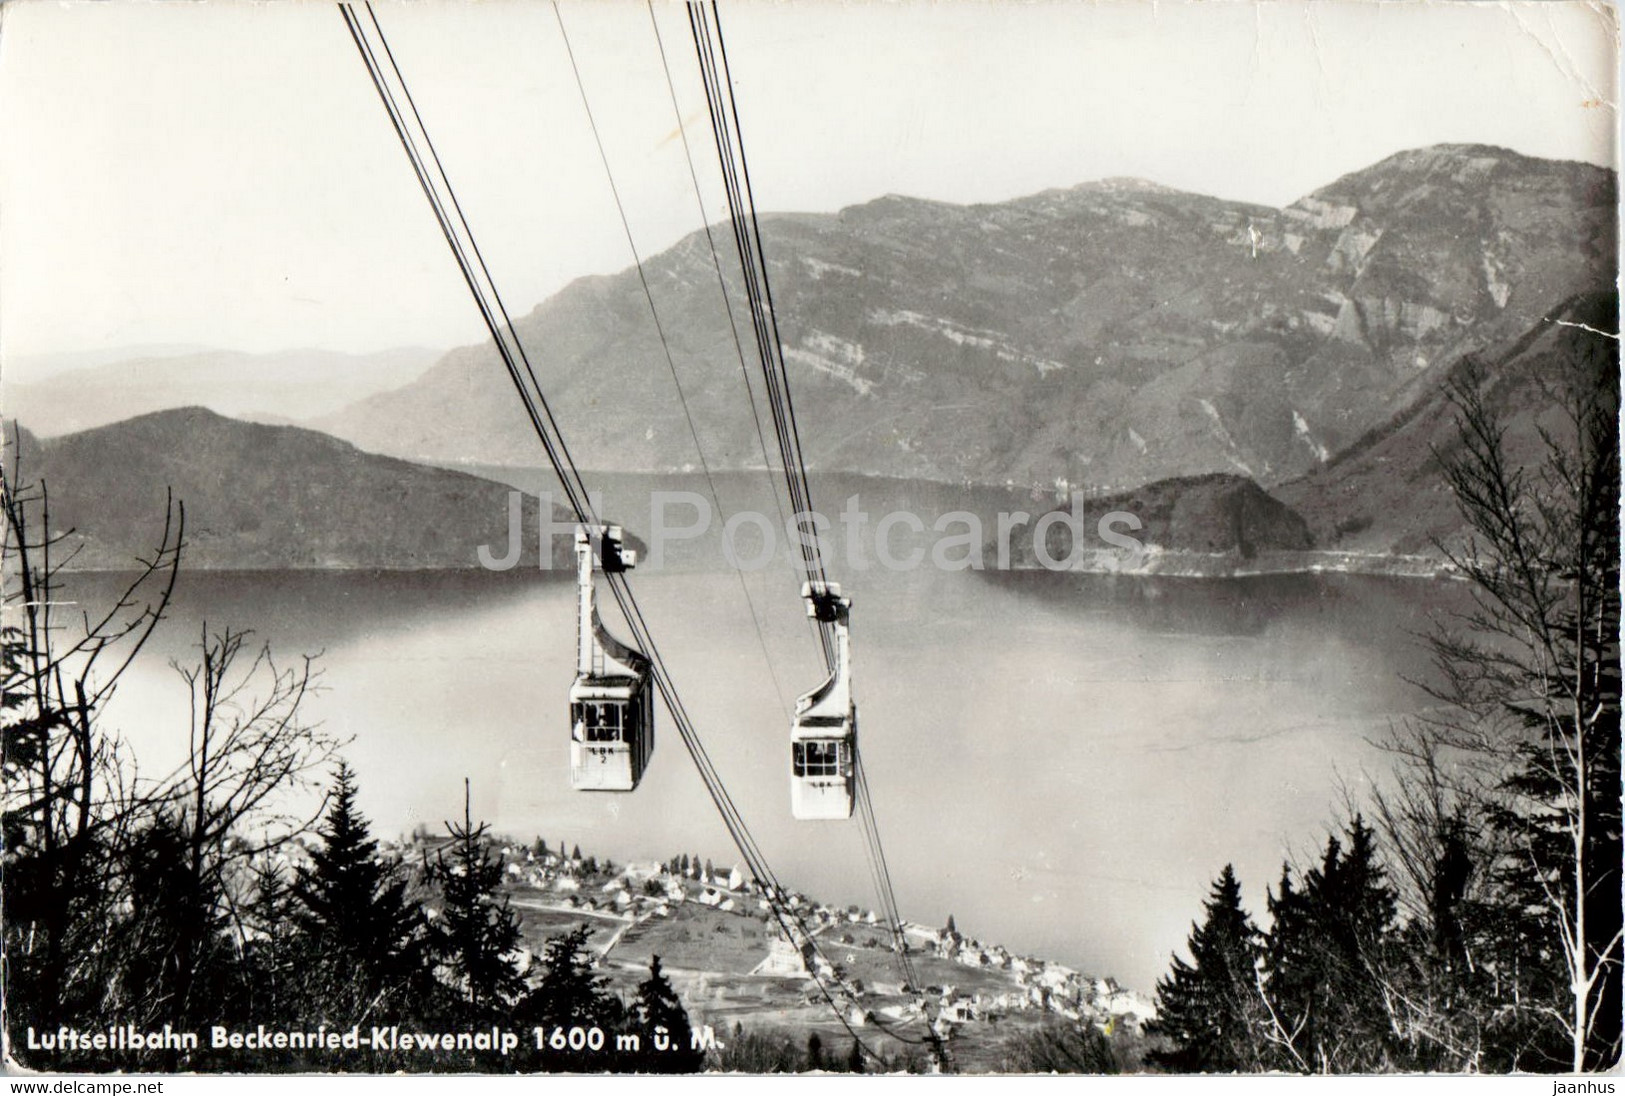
(366, 937)
(274, 954)
(572, 995)
(476, 934)
(1330, 952)
(663, 1027)
(854, 1058)
(1528, 734)
(1353, 911)
(178, 966)
(1290, 970)
(1209, 1008)
(1549, 823)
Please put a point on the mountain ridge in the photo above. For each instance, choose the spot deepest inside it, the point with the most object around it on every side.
(1385, 493)
(1102, 335)
(263, 497)
(288, 386)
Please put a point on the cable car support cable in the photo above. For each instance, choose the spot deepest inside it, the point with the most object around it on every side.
(477, 277)
(660, 330)
(753, 265)
(727, 132)
(724, 111)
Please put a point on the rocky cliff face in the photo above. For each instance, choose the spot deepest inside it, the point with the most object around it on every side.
(1385, 492)
(1111, 334)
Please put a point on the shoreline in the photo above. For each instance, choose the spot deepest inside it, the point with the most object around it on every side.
(1179, 563)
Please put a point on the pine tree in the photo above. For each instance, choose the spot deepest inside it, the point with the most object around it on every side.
(178, 966)
(1210, 1008)
(1356, 913)
(1289, 972)
(476, 934)
(854, 1058)
(1330, 955)
(273, 953)
(365, 935)
(570, 994)
(815, 1052)
(663, 1027)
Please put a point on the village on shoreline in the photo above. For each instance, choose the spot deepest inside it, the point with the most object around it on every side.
(715, 934)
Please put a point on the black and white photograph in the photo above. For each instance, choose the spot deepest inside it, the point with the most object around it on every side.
(805, 537)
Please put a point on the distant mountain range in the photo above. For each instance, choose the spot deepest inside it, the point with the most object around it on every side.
(1110, 335)
(264, 497)
(1245, 379)
(60, 396)
(275, 497)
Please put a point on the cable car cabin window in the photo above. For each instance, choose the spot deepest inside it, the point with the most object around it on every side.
(600, 720)
(821, 759)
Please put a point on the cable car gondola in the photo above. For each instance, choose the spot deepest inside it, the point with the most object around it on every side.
(611, 699)
(824, 736)
(611, 707)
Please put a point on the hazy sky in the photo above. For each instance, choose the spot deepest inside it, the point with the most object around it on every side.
(222, 173)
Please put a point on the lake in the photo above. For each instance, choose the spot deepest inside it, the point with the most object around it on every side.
(1063, 762)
